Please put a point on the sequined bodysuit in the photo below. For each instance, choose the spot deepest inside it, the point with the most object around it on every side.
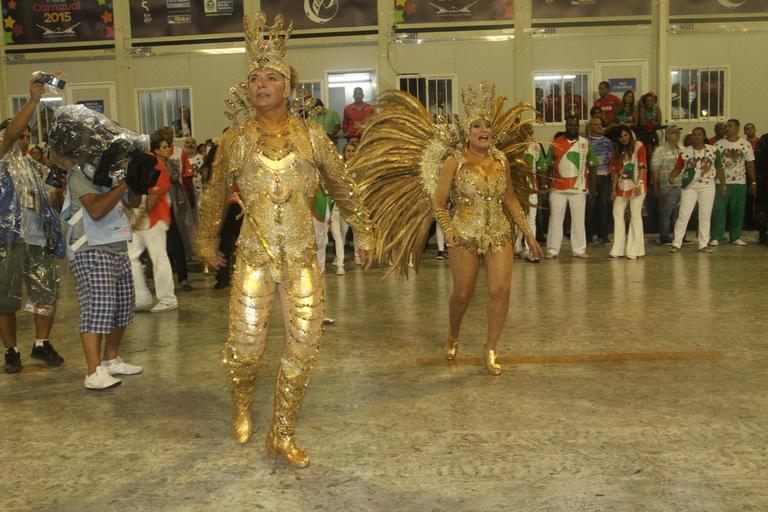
(277, 175)
(479, 218)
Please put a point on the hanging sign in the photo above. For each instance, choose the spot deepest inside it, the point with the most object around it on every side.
(57, 21)
(319, 14)
(170, 18)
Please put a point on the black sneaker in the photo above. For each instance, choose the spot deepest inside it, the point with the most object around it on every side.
(47, 353)
(12, 361)
(440, 255)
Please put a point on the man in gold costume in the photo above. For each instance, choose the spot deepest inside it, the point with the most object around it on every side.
(276, 160)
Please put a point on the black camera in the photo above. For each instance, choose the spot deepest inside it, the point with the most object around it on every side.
(57, 177)
(45, 78)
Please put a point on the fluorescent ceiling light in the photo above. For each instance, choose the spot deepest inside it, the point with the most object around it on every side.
(347, 78)
(222, 51)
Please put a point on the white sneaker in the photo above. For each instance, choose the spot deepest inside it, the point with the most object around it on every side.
(550, 255)
(101, 379)
(739, 242)
(119, 367)
(340, 271)
(161, 307)
(714, 243)
(581, 255)
(143, 307)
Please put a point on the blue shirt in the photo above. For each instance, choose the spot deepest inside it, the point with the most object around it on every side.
(603, 149)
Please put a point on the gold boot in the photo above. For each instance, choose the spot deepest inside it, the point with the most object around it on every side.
(241, 413)
(451, 347)
(491, 365)
(242, 381)
(289, 393)
(283, 446)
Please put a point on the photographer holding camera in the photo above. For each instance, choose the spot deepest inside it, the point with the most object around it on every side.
(30, 239)
(108, 170)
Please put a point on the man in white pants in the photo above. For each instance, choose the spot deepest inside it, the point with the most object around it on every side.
(150, 233)
(699, 164)
(339, 229)
(573, 162)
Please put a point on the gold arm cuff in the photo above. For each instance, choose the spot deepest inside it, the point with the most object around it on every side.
(521, 222)
(444, 219)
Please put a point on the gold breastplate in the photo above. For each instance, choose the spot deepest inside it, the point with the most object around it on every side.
(277, 183)
(479, 216)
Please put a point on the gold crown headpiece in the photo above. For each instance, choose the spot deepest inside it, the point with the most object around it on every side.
(478, 103)
(266, 45)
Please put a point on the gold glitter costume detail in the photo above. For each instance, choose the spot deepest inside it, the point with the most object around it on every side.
(479, 218)
(277, 184)
(277, 174)
(398, 164)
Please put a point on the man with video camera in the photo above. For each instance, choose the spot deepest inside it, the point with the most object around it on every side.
(30, 239)
(108, 170)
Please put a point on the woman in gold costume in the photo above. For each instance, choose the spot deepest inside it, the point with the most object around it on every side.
(410, 167)
(276, 160)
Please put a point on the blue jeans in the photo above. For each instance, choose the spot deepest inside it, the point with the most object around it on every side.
(669, 206)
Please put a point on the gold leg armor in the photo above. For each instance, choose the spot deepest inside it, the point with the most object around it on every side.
(302, 300)
(249, 309)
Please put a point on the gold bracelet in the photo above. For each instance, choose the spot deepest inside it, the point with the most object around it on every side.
(521, 222)
(444, 219)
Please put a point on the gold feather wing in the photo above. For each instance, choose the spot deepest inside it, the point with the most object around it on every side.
(397, 164)
(511, 136)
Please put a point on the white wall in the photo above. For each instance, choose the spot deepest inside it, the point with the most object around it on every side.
(471, 58)
(470, 61)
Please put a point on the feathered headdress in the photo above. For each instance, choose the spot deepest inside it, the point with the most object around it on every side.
(478, 104)
(266, 45)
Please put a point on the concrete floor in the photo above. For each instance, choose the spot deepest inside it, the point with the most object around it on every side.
(628, 386)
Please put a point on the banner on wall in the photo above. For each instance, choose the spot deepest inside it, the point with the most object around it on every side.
(692, 7)
(57, 21)
(452, 11)
(315, 14)
(597, 9)
(621, 85)
(168, 18)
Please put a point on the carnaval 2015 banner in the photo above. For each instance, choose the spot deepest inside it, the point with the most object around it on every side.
(452, 11)
(57, 21)
(316, 14)
(168, 18)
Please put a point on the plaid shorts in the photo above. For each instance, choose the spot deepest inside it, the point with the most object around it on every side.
(104, 289)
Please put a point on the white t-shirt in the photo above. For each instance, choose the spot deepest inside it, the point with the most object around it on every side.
(735, 156)
(699, 167)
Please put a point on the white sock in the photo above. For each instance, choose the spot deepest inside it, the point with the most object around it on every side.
(39, 343)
